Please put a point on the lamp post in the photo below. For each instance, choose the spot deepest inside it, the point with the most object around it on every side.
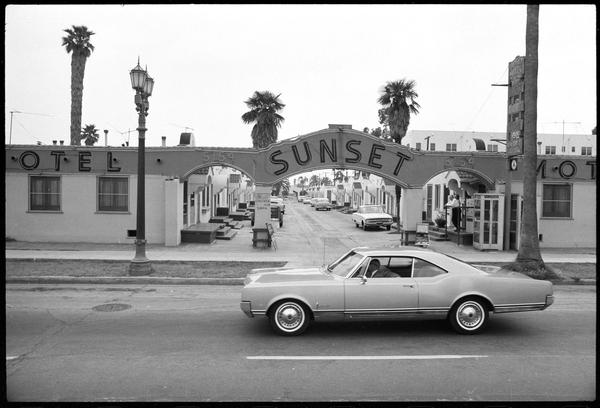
(142, 83)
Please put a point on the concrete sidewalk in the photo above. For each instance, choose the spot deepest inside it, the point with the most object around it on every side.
(293, 249)
(296, 251)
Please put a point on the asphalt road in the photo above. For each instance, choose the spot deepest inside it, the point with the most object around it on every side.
(192, 343)
(328, 234)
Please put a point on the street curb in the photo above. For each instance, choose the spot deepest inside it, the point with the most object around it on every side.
(110, 280)
(154, 280)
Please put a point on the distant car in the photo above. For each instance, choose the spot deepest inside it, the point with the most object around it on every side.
(372, 216)
(278, 201)
(307, 200)
(322, 204)
(313, 201)
(390, 283)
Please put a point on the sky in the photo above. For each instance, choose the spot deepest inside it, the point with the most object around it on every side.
(328, 62)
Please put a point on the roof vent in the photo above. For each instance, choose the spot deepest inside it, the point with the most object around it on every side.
(186, 139)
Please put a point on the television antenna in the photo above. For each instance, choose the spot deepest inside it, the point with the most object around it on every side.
(26, 113)
(182, 127)
(563, 130)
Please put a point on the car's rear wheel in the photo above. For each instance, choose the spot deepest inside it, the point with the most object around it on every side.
(289, 318)
(389, 227)
(469, 316)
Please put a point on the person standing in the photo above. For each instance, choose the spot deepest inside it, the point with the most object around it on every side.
(455, 204)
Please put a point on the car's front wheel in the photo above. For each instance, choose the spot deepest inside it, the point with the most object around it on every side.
(289, 318)
(468, 316)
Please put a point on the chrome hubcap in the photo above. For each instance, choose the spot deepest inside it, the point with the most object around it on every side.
(290, 316)
(470, 315)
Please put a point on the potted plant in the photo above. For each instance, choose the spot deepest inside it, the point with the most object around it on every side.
(440, 219)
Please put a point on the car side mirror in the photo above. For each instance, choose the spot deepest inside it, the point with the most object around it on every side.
(363, 278)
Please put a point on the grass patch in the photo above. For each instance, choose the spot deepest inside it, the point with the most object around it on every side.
(170, 269)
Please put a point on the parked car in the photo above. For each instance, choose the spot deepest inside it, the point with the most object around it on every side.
(322, 204)
(372, 216)
(408, 282)
(307, 200)
(313, 201)
(278, 201)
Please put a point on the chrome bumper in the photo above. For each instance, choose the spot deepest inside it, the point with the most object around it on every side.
(246, 308)
(549, 301)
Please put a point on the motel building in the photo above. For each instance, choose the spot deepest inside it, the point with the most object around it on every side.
(59, 193)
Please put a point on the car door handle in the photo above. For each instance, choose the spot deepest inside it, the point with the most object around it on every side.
(408, 286)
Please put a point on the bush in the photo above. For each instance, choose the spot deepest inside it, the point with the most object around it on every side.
(440, 222)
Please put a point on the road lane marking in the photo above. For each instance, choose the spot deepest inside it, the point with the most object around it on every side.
(422, 357)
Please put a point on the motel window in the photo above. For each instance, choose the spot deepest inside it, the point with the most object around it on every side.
(586, 150)
(437, 196)
(550, 149)
(573, 150)
(450, 147)
(113, 194)
(418, 146)
(556, 200)
(432, 147)
(44, 193)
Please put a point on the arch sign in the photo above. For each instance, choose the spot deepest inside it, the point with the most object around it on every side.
(337, 147)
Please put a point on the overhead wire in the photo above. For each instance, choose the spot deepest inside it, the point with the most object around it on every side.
(486, 100)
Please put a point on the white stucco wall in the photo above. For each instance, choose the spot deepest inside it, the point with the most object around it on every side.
(576, 232)
(78, 220)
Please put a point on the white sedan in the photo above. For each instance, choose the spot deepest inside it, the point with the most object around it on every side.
(390, 283)
(372, 216)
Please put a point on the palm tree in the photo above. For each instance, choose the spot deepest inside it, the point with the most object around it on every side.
(285, 187)
(338, 177)
(529, 250)
(301, 182)
(89, 134)
(77, 42)
(314, 181)
(325, 181)
(263, 112)
(395, 115)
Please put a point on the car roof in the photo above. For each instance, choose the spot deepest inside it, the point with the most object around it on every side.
(396, 250)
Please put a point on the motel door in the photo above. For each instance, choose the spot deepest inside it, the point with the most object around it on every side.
(516, 214)
(488, 221)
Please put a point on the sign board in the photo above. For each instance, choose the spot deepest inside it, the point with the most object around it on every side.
(516, 107)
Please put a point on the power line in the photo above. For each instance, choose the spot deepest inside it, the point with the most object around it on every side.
(485, 101)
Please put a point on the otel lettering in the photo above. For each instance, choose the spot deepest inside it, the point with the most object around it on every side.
(328, 152)
(30, 160)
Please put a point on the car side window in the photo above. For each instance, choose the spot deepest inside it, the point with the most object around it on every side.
(424, 269)
(401, 265)
(361, 269)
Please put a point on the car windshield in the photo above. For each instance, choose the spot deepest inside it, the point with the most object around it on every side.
(371, 209)
(344, 265)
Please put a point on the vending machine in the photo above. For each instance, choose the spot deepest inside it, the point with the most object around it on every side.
(488, 221)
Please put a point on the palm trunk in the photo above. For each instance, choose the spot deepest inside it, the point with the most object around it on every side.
(77, 72)
(529, 251)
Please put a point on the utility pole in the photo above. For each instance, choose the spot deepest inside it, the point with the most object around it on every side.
(11, 117)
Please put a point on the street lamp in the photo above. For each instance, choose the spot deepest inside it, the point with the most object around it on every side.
(142, 83)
